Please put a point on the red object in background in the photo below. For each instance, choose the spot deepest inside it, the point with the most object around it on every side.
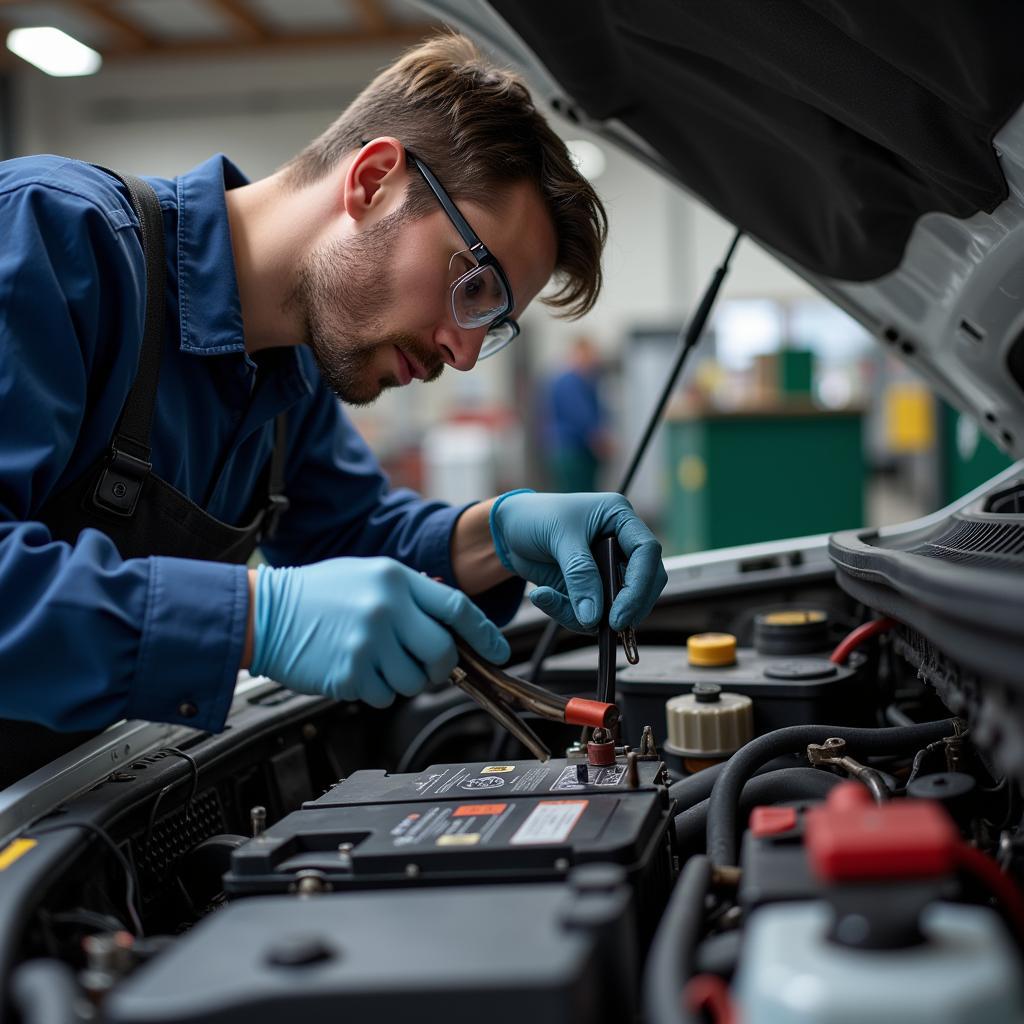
(851, 838)
(708, 995)
(772, 821)
(857, 637)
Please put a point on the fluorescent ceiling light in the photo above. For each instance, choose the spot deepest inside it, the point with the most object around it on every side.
(589, 158)
(53, 51)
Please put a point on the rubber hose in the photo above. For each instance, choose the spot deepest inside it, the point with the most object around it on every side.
(694, 788)
(723, 809)
(671, 958)
(772, 787)
(46, 992)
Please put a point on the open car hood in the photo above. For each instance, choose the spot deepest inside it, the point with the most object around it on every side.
(876, 148)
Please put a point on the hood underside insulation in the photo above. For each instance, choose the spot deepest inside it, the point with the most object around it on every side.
(823, 129)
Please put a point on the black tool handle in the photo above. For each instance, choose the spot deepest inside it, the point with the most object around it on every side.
(608, 556)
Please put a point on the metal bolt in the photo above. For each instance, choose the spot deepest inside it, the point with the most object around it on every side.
(647, 747)
(632, 770)
(258, 820)
(310, 883)
(412, 871)
(562, 864)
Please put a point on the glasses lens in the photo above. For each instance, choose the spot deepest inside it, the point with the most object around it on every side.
(478, 297)
(497, 338)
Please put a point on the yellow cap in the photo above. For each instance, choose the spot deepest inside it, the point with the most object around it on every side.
(711, 649)
(794, 617)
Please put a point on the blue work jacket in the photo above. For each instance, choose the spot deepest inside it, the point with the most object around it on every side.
(86, 637)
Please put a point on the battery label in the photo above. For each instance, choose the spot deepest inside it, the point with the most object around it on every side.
(480, 810)
(443, 825)
(531, 780)
(551, 821)
(611, 775)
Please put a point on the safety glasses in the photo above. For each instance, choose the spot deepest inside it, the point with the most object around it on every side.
(480, 295)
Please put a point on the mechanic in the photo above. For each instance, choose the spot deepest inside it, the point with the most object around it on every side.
(139, 472)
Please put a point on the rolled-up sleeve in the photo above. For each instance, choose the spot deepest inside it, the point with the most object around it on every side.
(86, 637)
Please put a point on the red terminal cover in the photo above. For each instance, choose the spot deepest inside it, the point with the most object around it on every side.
(852, 838)
(772, 821)
(579, 711)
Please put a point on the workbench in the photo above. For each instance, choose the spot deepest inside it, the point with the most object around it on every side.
(761, 472)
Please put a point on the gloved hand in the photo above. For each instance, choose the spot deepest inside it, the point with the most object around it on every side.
(546, 539)
(363, 629)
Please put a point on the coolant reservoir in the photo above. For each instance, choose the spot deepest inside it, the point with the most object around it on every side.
(790, 972)
(708, 723)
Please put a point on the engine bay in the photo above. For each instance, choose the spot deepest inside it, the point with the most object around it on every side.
(810, 811)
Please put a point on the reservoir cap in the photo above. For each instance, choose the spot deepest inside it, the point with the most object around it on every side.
(711, 650)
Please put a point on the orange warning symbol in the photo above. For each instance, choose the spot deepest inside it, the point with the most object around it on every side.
(477, 810)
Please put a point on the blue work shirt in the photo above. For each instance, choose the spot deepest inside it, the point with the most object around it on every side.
(86, 637)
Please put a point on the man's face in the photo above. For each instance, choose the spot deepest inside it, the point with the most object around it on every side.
(374, 301)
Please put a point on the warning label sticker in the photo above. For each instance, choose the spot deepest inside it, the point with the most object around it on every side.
(611, 775)
(484, 782)
(530, 780)
(502, 768)
(445, 825)
(481, 810)
(459, 839)
(551, 821)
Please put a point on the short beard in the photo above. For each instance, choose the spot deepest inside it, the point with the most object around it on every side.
(348, 283)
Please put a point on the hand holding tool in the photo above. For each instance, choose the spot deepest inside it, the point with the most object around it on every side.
(363, 629)
(546, 539)
(610, 559)
(498, 692)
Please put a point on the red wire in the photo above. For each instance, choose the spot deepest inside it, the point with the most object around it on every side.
(988, 872)
(857, 637)
(709, 993)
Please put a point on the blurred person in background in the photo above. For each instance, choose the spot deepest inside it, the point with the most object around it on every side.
(576, 438)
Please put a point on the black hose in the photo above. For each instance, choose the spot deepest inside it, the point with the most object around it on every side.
(670, 960)
(772, 787)
(426, 735)
(46, 992)
(697, 787)
(723, 809)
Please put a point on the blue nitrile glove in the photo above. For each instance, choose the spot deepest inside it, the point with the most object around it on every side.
(363, 629)
(546, 539)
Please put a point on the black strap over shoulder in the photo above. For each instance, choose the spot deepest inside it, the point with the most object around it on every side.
(119, 486)
(277, 503)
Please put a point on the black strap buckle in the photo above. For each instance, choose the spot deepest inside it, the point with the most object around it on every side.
(120, 483)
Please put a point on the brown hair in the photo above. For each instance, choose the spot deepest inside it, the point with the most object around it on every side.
(475, 125)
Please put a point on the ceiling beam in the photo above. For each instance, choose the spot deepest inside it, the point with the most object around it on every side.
(399, 35)
(245, 20)
(373, 16)
(134, 35)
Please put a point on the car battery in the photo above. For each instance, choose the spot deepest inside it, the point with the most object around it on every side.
(515, 822)
(804, 689)
(554, 953)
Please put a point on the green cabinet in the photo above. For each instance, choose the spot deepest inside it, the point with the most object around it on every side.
(759, 475)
